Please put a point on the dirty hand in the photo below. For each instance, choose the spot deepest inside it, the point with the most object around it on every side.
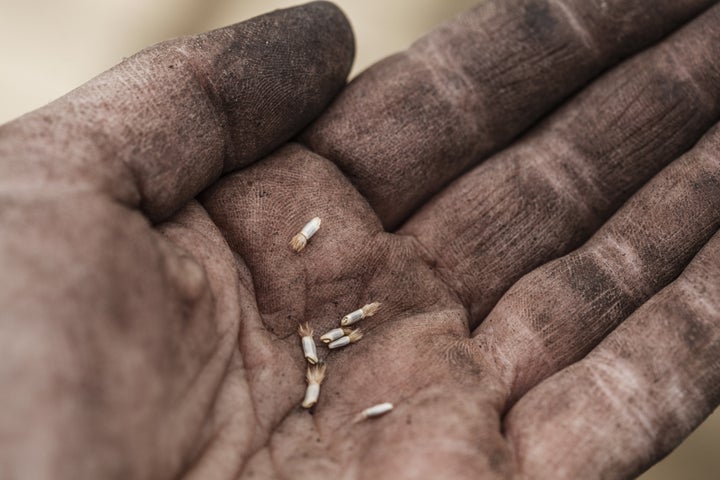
(548, 273)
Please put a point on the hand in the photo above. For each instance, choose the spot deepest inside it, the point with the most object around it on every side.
(543, 315)
(121, 300)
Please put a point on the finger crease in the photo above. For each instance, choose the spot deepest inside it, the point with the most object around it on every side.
(204, 81)
(437, 268)
(578, 24)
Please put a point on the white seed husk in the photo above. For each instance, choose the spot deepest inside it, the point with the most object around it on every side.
(309, 349)
(374, 411)
(340, 342)
(314, 375)
(332, 335)
(311, 228)
(352, 317)
(366, 311)
(312, 392)
(300, 240)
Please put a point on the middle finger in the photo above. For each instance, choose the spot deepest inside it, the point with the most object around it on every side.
(415, 121)
(547, 194)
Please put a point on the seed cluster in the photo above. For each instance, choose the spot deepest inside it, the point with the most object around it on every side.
(339, 337)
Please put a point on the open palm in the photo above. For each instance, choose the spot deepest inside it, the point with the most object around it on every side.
(549, 275)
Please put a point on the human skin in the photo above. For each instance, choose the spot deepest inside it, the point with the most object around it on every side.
(532, 191)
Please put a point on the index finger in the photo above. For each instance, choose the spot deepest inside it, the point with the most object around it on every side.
(159, 127)
(410, 124)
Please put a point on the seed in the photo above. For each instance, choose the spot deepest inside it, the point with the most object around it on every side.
(314, 376)
(308, 343)
(299, 241)
(374, 411)
(367, 311)
(334, 334)
(345, 340)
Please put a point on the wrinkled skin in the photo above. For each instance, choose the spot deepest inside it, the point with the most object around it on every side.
(532, 191)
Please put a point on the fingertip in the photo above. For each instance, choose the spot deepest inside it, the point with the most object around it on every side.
(289, 63)
(336, 27)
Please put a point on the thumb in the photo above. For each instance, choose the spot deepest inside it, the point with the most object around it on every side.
(159, 127)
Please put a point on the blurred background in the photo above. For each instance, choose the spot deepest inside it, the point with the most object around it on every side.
(49, 47)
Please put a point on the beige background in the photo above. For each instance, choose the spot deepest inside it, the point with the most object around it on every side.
(48, 47)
